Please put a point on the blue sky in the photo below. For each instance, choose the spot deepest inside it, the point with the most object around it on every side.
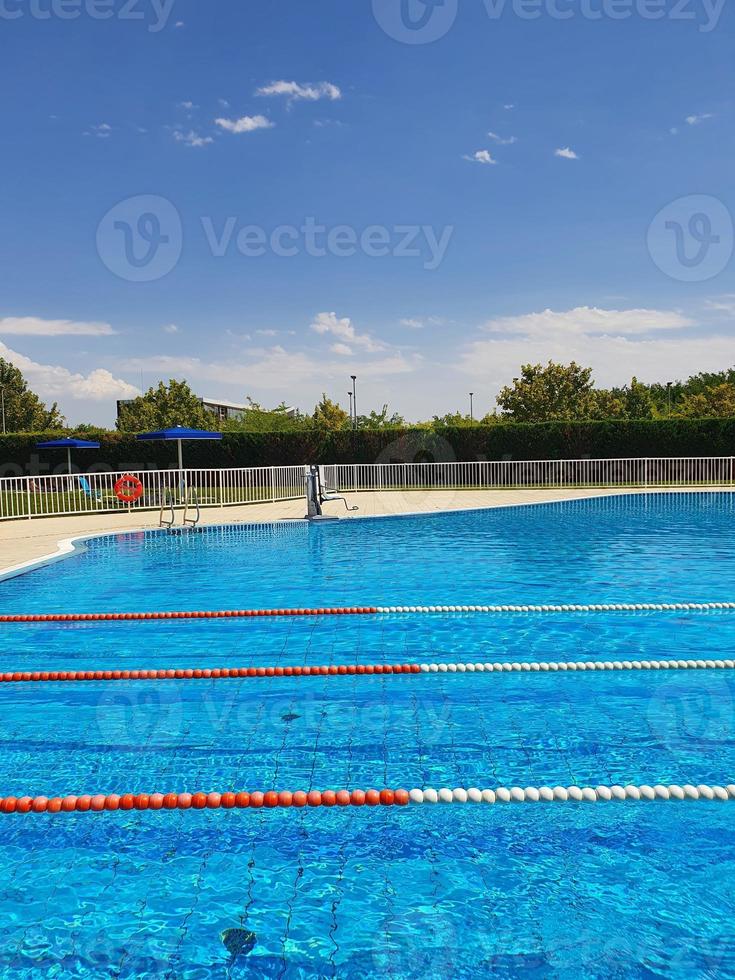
(562, 188)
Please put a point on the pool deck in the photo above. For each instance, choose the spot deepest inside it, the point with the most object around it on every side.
(27, 541)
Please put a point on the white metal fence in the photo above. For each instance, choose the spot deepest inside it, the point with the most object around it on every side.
(83, 493)
(48, 496)
(540, 474)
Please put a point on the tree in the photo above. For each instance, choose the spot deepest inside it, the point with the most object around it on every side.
(381, 420)
(24, 410)
(259, 419)
(329, 415)
(164, 407)
(556, 392)
(608, 404)
(453, 420)
(633, 401)
(718, 402)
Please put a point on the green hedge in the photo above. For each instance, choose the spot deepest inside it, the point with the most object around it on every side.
(554, 440)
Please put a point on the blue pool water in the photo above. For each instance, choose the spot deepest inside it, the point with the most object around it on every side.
(626, 890)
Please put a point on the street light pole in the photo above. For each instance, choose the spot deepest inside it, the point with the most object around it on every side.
(349, 395)
(668, 390)
(2, 396)
(354, 400)
(472, 414)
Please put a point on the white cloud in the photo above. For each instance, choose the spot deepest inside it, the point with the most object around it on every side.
(674, 131)
(343, 330)
(179, 23)
(295, 375)
(588, 321)
(508, 141)
(188, 106)
(191, 138)
(52, 381)
(246, 124)
(32, 326)
(696, 120)
(170, 328)
(511, 105)
(722, 304)
(305, 91)
(418, 323)
(617, 344)
(266, 333)
(480, 156)
(101, 131)
(566, 154)
(341, 349)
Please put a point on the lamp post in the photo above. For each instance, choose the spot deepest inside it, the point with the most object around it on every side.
(2, 397)
(472, 414)
(349, 395)
(354, 400)
(669, 385)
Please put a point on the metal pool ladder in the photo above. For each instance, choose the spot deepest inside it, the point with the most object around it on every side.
(191, 496)
(167, 499)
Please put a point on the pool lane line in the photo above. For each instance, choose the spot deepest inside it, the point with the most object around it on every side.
(357, 798)
(361, 611)
(351, 670)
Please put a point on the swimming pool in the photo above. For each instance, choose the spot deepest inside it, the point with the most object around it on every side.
(614, 889)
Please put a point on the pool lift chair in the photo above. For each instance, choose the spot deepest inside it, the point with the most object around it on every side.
(318, 493)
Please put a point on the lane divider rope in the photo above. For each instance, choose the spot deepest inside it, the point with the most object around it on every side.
(362, 611)
(350, 670)
(386, 797)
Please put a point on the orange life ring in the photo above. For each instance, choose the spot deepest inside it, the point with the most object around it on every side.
(128, 489)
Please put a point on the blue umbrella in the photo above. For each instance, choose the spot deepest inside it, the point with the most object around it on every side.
(178, 434)
(67, 444)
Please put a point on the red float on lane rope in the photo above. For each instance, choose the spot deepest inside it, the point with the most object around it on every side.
(199, 673)
(101, 803)
(188, 614)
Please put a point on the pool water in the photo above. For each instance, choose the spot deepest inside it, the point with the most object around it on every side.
(611, 890)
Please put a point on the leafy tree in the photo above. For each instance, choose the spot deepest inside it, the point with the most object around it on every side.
(718, 402)
(633, 401)
(86, 430)
(164, 407)
(259, 419)
(381, 420)
(455, 420)
(330, 415)
(24, 410)
(555, 392)
(608, 404)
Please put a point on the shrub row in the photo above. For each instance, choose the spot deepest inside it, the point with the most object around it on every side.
(553, 440)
